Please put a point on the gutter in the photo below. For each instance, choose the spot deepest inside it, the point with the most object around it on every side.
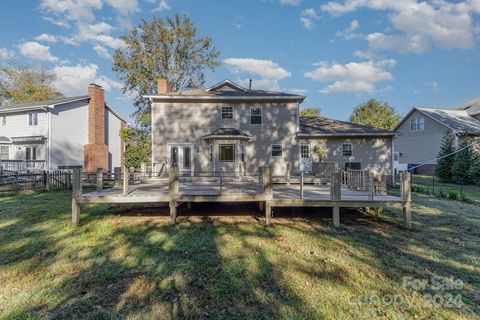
(216, 98)
(361, 134)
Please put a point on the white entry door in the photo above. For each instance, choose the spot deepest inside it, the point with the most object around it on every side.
(181, 155)
(305, 158)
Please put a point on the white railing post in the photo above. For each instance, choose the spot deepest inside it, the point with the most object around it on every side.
(301, 184)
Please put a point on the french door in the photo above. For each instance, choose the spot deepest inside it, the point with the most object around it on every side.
(305, 157)
(181, 156)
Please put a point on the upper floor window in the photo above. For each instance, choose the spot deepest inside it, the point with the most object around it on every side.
(347, 150)
(227, 112)
(417, 124)
(255, 115)
(277, 150)
(4, 121)
(396, 156)
(33, 118)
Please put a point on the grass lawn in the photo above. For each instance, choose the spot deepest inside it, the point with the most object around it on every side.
(138, 267)
(471, 192)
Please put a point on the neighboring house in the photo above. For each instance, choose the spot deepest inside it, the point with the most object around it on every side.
(82, 130)
(238, 130)
(420, 133)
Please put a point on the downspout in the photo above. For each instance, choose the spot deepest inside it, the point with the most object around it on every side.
(49, 136)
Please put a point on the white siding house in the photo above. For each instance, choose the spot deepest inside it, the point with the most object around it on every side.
(58, 132)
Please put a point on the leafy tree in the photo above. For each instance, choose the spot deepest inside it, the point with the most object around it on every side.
(169, 49)
(138, 145)
(312, 112)
(474, 171)
(445, 164)
(375, 114)
(462, 162)
(27, 84)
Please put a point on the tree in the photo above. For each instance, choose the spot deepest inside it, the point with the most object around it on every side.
(312, 112)
(474, 171)
(375, 114)
(169, 49)
(445, 164)
(27, 84)
(462, 162)
(138, 145)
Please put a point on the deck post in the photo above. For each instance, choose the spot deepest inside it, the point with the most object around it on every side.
(371, 186)
(268, 213)
(46, 180)
(221, 180)
(289, 169)
(125, 181)
(173, 187)
(406, 192)
(301, 184)
(335, 195)
(267, 182)
(117, 177)
(99, 179)
(76, 192)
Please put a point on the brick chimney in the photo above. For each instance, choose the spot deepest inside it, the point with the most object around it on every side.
(162, 86)
(96, 151)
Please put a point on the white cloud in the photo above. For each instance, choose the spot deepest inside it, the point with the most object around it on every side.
(290, 2)
(76, 10)
(74, 80)
(349, 33)
(98, 33)
(6, 54)
(308, 17)
(46, 38)
(102, 52)
(124, 7)
(269, 72)
(298, 91)
(352, 77)
(433, 85)
(36, 51)
(162, 6)
(419, 25)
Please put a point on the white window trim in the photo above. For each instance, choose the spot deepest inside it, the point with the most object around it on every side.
(396, 154)
(33, 115)
(309, 150)
(351, 149)
(281, 150)
(417, 121)
(261, 115)
(234, 152)
(221, 113)
(4, 120)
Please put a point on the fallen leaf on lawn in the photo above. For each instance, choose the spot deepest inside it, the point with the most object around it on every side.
(278, 237)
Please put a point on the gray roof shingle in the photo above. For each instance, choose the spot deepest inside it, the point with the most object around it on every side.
(458, 120)
(44, 102)
(330, 127)
(229, 132)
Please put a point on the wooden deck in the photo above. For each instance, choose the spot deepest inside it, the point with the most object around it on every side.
(176, 190)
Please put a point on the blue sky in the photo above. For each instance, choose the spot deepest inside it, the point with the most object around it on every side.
(337, 53)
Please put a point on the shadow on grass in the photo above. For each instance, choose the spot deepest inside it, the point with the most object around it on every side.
(117, 267)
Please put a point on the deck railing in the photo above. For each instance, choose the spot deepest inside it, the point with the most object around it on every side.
(22, 165)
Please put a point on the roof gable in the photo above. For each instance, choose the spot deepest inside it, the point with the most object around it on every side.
(226, 85)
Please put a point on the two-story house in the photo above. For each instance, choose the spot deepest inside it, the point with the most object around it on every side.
(228, 127)
(81, 130)
(420, 133)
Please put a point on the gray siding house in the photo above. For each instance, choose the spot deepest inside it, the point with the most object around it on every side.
(228, 127)
(81, 130)
(420, 132)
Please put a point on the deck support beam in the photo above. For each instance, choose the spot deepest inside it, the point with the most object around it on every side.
(268, 214)
(173, 186)
(336, 195)
(406, 192)
(336, 217)
(173, 212)
(76, 192)
(99, 179)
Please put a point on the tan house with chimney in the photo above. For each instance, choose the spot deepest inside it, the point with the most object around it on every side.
(237, 130)
(74, 131)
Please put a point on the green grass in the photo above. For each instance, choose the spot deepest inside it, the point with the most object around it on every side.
(138, 267)
(471, 192)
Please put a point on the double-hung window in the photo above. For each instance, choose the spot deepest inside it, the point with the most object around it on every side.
(4, 151)
(255, 115)
(417, 124)
(277, 150)
(33, 118)
(4, 120)
(227, 153)
(347, 150)
(227, 112)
